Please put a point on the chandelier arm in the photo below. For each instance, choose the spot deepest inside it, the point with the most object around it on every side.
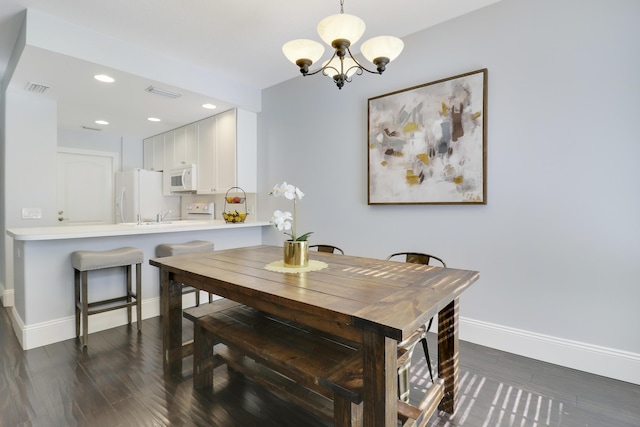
(360, 66)
(322, 68)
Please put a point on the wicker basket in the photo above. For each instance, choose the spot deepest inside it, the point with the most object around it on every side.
(235, 206)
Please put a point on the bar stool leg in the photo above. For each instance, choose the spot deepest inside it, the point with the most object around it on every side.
(128, 269)
(197, 297)
(85, 310)
(138, 294)
(76, 280)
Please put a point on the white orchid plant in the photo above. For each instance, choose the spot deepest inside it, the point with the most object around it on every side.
(285, 221)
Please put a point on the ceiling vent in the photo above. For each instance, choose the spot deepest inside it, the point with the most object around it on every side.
(90, 128)
(163, 92)
(36, 87)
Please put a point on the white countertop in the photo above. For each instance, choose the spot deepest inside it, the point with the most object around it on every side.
(124, 229)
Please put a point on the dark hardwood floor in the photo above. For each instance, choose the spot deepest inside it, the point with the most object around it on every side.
(118, 381)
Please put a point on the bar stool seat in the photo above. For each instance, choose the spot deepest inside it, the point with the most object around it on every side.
(173, 249)
(85, 261)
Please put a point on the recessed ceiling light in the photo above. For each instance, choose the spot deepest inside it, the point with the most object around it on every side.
(153, 119)
(102, 122)
(104, 78)
(208, 106)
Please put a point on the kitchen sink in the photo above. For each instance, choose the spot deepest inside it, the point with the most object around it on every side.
(176, 223)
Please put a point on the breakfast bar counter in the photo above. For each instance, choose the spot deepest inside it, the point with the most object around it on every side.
(123, 229)
(42, 277)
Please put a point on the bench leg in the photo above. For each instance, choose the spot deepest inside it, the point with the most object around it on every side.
(346, 413)
(404, 384)
(203, 343)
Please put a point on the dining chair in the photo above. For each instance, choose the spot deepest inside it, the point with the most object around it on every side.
(327, 248)
(420, 335)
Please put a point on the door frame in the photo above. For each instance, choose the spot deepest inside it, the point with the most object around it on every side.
(115, 158)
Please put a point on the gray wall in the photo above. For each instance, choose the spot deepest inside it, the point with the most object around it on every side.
(129, 150)
(558, 242)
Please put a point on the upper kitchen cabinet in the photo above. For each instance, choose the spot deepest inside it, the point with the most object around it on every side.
(185, 146)
(154, 153)
(227, 152)
(247, 150)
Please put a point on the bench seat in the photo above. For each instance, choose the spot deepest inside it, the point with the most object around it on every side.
(318, 372)
(307, 360)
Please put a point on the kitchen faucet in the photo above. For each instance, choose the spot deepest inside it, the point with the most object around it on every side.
(160, 216)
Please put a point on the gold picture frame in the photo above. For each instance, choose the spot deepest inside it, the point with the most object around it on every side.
(427, 143)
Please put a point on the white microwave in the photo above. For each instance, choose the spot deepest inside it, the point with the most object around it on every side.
(182, 180)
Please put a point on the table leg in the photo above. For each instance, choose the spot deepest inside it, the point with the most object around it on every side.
(171, 299)
(448, 354)
(380, 381)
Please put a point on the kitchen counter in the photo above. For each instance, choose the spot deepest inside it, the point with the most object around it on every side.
(42, 279)
(123, 229)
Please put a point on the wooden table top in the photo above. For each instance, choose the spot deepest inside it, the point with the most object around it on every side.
(352, 293)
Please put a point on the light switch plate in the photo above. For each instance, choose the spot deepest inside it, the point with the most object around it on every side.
(31, 213)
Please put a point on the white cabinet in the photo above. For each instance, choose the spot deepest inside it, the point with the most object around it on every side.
(173, 149)
(247, 150)
(154, 153)
(227, 152)
(169, 162)
(217, 153)
(223, 146)
(226, 176)
(185, 146)
(206, 156)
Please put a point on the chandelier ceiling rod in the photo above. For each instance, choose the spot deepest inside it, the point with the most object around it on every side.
(340, 31)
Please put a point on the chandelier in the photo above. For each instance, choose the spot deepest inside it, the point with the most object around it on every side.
(340, 31)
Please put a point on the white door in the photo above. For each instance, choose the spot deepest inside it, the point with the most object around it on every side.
(85, 187)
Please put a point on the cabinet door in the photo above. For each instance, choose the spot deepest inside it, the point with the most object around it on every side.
(191, 144)
(185, 145)
(169, 144)
(226, 150)
(247, 150)
(206, 156)
(147, 154)
(159, 160)
(153, 153)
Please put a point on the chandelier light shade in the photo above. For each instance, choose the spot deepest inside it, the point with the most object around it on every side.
(341, 31)
(341, 26)
(303, 52)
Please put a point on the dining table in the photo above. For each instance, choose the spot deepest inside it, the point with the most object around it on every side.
(373, 302)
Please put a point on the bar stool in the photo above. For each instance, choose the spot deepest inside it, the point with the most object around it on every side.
(84, 261)
(172, 249)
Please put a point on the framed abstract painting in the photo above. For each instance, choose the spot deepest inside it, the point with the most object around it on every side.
(427, 144)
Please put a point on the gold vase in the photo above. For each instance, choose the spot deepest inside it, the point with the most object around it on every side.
(296, 254)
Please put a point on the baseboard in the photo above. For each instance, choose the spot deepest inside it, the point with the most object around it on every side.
(40, 334)
(8, 297)
(612, 363)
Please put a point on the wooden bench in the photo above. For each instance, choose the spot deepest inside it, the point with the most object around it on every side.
(194, 313)
(316, 371)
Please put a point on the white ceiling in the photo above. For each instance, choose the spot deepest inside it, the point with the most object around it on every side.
(239, 40)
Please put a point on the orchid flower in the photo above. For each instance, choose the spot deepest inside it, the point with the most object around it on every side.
(285, 221)
(281, 220)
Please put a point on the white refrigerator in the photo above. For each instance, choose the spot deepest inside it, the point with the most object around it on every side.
(139, 195)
